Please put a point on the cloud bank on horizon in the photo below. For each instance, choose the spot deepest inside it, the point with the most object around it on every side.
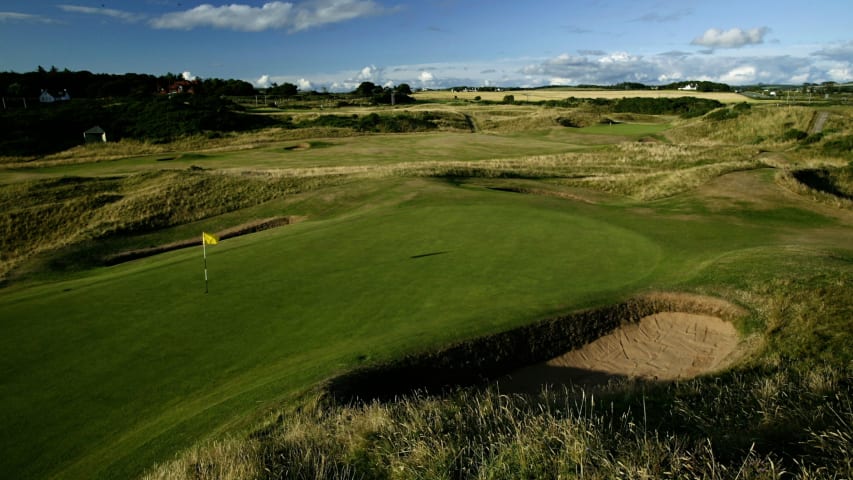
(337, 44)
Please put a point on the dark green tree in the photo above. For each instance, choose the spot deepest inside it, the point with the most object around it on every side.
(285, 90)
(365, 89)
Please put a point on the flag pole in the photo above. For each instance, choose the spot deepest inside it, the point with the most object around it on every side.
(204, 250)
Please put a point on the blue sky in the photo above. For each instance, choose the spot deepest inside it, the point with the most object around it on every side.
(336, 44)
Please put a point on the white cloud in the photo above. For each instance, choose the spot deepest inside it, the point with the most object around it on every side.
(618, 57)
(9, 17)
(367, 74)
(263, 81)
(625, 67)
(739, 75)
(560, 81)
(188, 76)
(733, 38)
(273, 15)
(233, 17)
(841, 74)
(304, 85)
(107, 12)
(670, 77)
(321, 12)
(601, 68)
(802, 78)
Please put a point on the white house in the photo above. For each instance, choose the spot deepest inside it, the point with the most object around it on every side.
(47, 97)
(95, 135)
(690, 87)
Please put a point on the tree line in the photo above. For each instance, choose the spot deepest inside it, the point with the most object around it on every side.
(85, 84)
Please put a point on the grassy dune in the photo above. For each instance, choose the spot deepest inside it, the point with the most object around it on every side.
(560, 94)
(411, 242)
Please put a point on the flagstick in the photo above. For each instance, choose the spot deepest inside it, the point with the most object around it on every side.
(204, 250)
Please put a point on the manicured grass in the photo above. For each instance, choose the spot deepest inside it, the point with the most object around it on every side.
(370, 150)
(105, 374)
(637, 129)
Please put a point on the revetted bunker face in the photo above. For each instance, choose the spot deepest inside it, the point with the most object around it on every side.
(656, 337)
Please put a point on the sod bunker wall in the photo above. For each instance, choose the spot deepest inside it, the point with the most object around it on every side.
(487, 358)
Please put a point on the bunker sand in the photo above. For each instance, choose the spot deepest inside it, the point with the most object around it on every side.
(664, 346)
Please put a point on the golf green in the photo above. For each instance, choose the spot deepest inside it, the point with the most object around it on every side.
(105, 374)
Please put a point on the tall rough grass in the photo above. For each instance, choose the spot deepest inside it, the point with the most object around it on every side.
(46, 215)
(787, 179)
(558, 434)
(765, 126)
(785, 412)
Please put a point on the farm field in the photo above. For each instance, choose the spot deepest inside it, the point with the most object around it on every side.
(405, 243)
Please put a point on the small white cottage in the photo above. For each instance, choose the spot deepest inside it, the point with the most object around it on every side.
(95, 135)
(46, 97)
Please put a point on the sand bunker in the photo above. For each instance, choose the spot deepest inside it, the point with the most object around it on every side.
(298, 147)
(663, 346)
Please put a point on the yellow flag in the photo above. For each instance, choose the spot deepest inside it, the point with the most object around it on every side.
(209, 239)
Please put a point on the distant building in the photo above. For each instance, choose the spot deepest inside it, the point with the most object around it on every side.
(690, 87)
(180, 86)
(95, 135)
(47, 97)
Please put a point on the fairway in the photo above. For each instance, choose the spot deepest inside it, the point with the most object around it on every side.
(159, 361)
(366, 152)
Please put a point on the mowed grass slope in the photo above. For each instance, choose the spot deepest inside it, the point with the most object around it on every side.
(106, 374)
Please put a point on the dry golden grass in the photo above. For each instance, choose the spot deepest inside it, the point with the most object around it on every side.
(761, 125)
(558, 434)
(639, 170)
(560, 94)
(219, 459)
(787, 180)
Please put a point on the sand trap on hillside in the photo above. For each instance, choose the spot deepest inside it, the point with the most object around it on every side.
(663, 346)
(298, 147)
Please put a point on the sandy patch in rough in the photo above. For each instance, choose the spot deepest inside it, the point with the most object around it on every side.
(663, 346)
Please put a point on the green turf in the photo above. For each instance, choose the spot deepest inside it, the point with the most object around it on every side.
(632, 129)
(374, 150)
(105, 374)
